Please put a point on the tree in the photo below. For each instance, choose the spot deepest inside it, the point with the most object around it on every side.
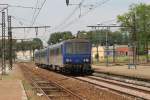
(54, 38)
(59, 36)
(82, 35)
(36, 43)
(23, 46)
(142, 22)
(7, 48)
(119, 37)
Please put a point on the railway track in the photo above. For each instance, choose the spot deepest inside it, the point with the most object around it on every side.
(50, 90)
(133, 90)
(53, 91)
(126, 79)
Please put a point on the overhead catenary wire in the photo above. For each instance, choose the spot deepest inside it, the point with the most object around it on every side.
(33, 22)
(65, 20)
(36, 16)
(84, 14)
(69, 16)
(20, 6)
(35, 10)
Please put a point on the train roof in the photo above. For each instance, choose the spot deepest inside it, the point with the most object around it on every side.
(70, 40)
(77, 40)
(61, 43)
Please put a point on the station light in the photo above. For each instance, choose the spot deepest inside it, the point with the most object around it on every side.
(67, 2)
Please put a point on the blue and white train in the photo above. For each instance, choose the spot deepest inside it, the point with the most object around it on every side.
(70, 56)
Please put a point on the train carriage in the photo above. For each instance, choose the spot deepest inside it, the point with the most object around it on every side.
(70, 56)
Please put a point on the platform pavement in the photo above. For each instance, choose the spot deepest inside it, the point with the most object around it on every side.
(140, 72)
(11, 87)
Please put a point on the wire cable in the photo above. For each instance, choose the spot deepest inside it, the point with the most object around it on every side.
(35, 18)
(38, 12)
(84, 14)
(19, 6)
(68, 17)
(35, 10)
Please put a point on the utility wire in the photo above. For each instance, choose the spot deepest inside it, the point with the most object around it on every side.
(68, 17)
(19, 6)
(35, 10)
(35, 18)
(84, 14)
(38, 12)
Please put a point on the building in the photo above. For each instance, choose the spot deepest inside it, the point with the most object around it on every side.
(24, 55)
(101, 53)
(119, 50)
(122, 50)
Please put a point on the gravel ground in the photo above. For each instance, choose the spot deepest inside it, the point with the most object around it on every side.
(142, 72)
(84, 89)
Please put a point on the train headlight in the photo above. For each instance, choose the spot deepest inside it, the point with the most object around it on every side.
(67, 60)
(70, 60)
(87, 60)
(84, 60)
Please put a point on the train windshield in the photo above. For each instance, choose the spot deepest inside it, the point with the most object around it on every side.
(77, 48)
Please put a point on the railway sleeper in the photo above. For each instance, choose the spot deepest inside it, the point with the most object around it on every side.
(40, 81)
(51, 90)
(58, 96)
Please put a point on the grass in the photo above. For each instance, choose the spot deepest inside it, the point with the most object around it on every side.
(26, 85)
(28, 89)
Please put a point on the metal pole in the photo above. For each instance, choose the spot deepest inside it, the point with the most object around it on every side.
(10, 42)
(134, 41)
(3, 45)
(107, 47)
(114, 54)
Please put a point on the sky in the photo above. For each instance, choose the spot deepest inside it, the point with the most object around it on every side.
(56, 14)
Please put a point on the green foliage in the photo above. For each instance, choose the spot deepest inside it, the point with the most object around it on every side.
(7, 48)
(82, 35)
(36, 43)
(29, 45)
(59, 36)
(142, 21)
(98, 37)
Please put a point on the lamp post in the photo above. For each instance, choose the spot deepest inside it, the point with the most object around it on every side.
(114, 52)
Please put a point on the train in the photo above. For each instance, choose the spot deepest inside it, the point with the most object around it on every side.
(70, 56)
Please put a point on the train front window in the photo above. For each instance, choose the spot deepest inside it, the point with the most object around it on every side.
(69, 48)
(77, 48)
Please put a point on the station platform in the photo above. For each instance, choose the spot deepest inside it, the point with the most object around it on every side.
(141, 71)
(11, 87)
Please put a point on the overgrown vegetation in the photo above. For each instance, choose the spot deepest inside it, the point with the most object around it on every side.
(21, 46)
